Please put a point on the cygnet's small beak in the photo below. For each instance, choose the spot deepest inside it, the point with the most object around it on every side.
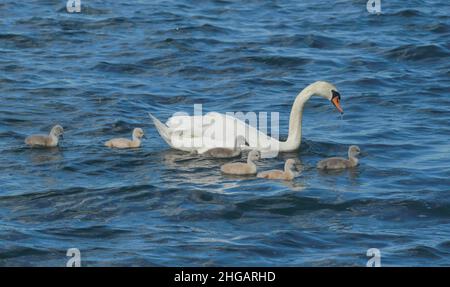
(144, 136)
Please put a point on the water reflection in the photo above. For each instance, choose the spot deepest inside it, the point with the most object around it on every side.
(44, 155)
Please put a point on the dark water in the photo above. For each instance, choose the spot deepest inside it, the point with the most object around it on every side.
(99, 72)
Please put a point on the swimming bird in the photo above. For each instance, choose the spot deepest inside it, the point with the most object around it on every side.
(287, 174)
(240, 168)
(339, 162)
(222, 152)
(50, 140)
(138, 133)
(203, 132)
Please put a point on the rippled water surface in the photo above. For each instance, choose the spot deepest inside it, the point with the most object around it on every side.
(99, 72)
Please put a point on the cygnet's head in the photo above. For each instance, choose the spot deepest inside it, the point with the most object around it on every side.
(138, 133)
(328, 91)
(57, 131)
(290, 164)
(353, 151)
(254, 155)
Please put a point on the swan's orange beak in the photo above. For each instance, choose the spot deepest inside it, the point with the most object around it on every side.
(336, 100)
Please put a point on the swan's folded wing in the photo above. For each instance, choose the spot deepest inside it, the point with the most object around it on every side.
(188, 126)
(227, 127)
(215, 130)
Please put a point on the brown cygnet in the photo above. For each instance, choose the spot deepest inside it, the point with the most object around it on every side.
(287, 174)
(50, 140)
(240, 168)
(138, 134)
(221, 152)
(339, 162)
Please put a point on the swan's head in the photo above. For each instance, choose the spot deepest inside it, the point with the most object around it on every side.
(353, 151)
(138, 133)
(254, 155)
(57, 131)
(328, 91)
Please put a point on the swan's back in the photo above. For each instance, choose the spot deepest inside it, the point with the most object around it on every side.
(215, 130)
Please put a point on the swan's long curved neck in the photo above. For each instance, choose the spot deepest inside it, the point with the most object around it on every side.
(295, 121)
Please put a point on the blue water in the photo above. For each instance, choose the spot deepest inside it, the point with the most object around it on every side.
(98, 73)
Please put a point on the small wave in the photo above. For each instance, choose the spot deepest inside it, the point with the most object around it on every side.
(119, 68)
(205, 28)
(87, 10)
(439, 28)
(99, 231)
(20, 41)
(311, 41)
(80, 24)
(407, 13)
(368, 81)
(7, 81)
(22, 251)
(279, 61)
(38, 22)
(423, 252)
(113, 22)
(445, 246)
(417, 53)
(291, 204)
(267, 82)
(163, 61)
(13, 68)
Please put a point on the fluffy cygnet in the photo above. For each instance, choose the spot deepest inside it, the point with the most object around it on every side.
(339, 162)
(138, 133)
(287, 174)
(221, 152)
(240, 168)
(50, 140)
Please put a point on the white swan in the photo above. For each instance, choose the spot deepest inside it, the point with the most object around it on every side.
(240, 168)
(201, 133)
